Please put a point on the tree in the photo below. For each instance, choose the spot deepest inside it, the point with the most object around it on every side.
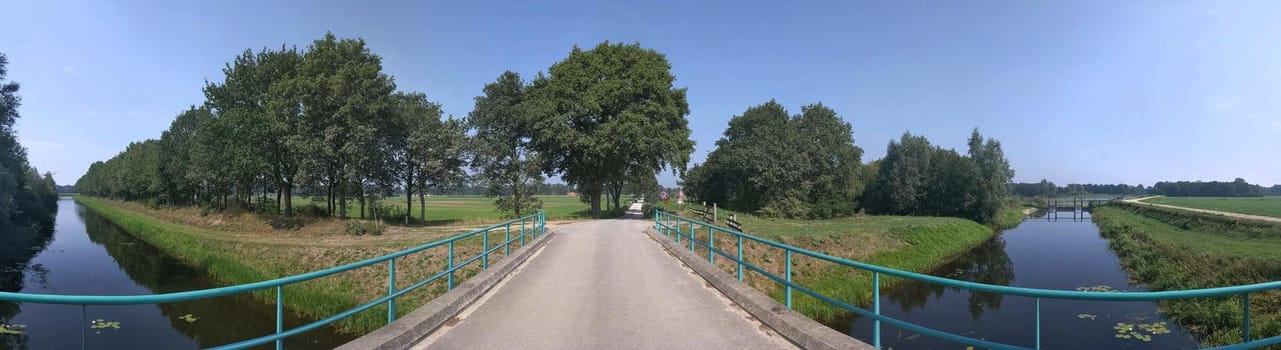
(24, 194)
(903, 177)
(343, 89)
(603, 111)
(411, 142)
(503, 157)
(994, 175)
(447, 153)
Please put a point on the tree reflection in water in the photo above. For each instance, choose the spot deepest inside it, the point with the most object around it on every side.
(988, 263)
(19, 243)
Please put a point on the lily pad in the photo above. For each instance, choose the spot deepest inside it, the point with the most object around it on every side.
(189, 318)
(11, 328)
(104, 324)
(1087, 316)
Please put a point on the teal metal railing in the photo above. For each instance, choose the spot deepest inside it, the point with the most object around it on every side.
(537, 226)
(676, 227)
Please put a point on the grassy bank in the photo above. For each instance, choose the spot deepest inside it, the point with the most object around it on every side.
(1266, 206)
(910, 243)
(243, 249)
(1172, 250)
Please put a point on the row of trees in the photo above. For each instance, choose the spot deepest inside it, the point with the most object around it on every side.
(328, 121)
(1047, 188)
(770, 162)
(1236, 188)
(917, 178)
(25, 195)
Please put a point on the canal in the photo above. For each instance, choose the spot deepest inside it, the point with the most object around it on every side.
(1066, 254)
(85, 254)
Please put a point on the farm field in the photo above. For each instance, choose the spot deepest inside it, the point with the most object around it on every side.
(1266, 206)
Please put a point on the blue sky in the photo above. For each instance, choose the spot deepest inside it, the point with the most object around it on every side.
(1077, 91)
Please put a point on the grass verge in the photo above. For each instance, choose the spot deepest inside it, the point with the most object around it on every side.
(911, 243)
(237, 253)
(1168, 249)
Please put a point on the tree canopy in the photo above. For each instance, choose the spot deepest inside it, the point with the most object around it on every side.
(780, 165)
(25, 195)
(917, 178)
(602, 114)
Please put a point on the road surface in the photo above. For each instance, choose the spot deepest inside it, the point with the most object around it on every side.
(603, 284)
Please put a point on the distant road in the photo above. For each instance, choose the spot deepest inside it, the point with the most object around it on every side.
(1206, 211)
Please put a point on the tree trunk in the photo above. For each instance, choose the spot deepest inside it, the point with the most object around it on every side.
(289, 200)
(422, 203)
(279, 193)
(409, 199)
(342, 199)
(594, 192)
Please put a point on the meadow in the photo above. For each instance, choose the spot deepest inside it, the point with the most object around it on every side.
(1266, 206)
(455, 210)
(1170, 249)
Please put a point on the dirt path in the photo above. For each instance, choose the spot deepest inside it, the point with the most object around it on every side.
(1140, 201)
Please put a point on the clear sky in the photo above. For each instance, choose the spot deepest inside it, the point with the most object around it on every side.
(1077, 91)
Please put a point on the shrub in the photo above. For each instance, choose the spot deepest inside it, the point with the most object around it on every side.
(361, 228)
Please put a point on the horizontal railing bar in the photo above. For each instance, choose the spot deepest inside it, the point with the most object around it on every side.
(222, 291)
(1020, 291)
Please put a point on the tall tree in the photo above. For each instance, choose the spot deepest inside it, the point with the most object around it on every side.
(503, 158)
(416, 126)
(603, 111)
(343, 90)
(24, 194)
(994, 175)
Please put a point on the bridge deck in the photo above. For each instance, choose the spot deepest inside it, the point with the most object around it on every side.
(604, 285)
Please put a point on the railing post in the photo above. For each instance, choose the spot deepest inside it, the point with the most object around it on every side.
(691, 236)
(391, 289)
(507, 240)
(740, 258)
(484, 250)
(876, 309)
(1245, 317)
(280, 316)
(450, 266)
(711, 246)
(677, 233)
(1038, 322)
(522, 232)
(787, 261)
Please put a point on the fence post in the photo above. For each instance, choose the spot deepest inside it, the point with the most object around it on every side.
(1038, 322)
(714, 212)
(280, 316)
(1245, 317)
(450, 265)
(507, 240)
(522, 232)
(876, 309)
(691, 236)
(484, 249)
(711, 246)
(391, 289)
(788, 263)
(740, 258)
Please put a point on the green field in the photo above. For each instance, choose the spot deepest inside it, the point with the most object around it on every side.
(1170, 249)
(912, 243)
(446, 210)
(1266, 206)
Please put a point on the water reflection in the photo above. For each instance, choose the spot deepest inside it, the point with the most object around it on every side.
(20, 243)
(987, 263)
(1043, 253)
(90, 255)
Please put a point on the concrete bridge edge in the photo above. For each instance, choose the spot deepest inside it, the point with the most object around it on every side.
(797, 328)
(409, 329)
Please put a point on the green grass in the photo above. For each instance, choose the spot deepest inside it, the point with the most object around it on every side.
(234, 257)
(910, 243)
(1265, 206)
(444, 210)
(1167, 249)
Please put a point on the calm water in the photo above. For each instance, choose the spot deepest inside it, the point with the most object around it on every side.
(1063, 254)
(86, 254)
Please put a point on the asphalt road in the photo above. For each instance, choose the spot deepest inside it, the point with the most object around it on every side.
(604, 285)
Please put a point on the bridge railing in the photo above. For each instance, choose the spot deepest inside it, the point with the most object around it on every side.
(537, 226)
(676, 227)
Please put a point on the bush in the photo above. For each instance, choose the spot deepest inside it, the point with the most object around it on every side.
(360, 228)
(286, 223)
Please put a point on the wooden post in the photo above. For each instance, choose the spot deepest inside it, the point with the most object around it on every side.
(713, 213)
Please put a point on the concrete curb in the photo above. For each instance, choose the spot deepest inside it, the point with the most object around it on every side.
(409, 329)
(801, 330)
